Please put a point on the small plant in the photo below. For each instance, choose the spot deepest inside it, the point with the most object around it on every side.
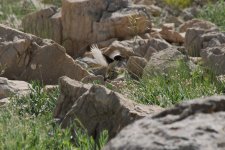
(133, 20)
(214, 13)
(37, 102)
(179, 3)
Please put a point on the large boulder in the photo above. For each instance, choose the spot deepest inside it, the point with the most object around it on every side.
(214, 58)
(194, 125)
(97, 108)
(27, 57)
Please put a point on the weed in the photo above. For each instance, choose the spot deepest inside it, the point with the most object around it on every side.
(214, 13)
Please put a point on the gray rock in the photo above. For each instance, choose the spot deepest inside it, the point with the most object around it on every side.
(92, 78)
(197, 23)
(194, 125)
(165, 61)
(13, 87)
(4, 101)
(197, 39)
(137, 47)
(214, 58)
(97, 108)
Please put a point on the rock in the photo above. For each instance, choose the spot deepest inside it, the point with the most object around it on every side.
(27, 57)
(202, 3)
(173, 19)
(194, 125)
(214, 58)
(4, 101)
(126, 47)
(144, 2)
(13, 87)
(135, 66)
(99, 20)
(170, 35)
(137, 47)
(165, 61)
(197, 39)
(154, 10)
(45, 23)
(97, 108)
(106, 43)
(92, 79)
(50, 88)
(190, 13)
(197, 23)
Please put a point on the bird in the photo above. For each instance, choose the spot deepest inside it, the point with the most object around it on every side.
(108, 63)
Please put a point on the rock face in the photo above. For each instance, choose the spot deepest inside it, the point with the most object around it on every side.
(165, 61)
(194, 125)
(214, 58)
(85, 22)
(27, 57)
(96, 107)
(11, 87)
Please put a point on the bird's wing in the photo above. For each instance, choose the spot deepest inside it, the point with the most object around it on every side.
(97, 54)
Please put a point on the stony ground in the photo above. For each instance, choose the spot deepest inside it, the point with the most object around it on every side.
(115, 74)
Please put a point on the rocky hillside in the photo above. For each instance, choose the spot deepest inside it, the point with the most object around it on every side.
(112, 74)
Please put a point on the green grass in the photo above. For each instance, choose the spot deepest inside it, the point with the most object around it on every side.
(12, 11)
(15, 7)
(214, 13)
(174, 87)
(179, 3)
(54, 2)
(27, 123)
